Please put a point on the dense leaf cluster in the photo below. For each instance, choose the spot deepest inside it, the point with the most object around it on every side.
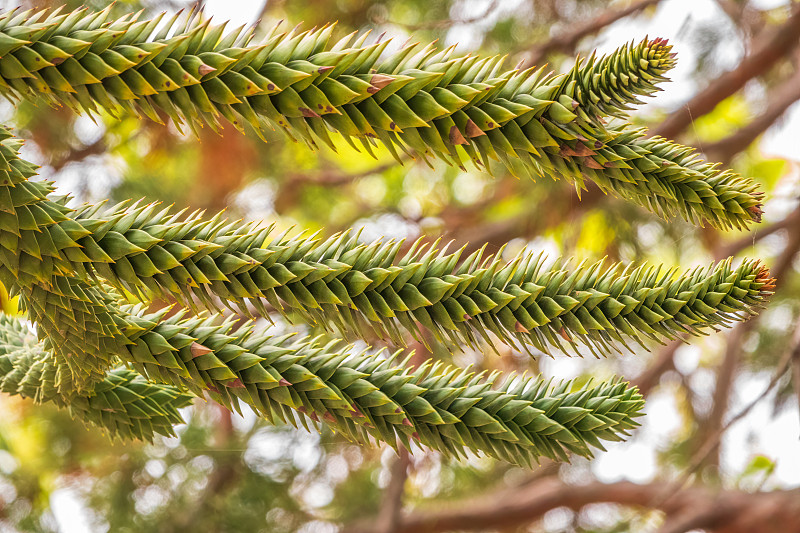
(73, 267)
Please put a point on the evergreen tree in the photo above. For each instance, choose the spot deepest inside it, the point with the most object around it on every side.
(113, 363)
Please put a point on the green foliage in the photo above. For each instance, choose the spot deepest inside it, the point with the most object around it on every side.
(72, 267)
(124, 403)
(362, 396)
(418, 100)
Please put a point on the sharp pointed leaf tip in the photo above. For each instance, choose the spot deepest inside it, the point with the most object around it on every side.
(473, 130)
(205, 69)
(456, 137)
(380, 80)
(308, 113)
(198, 349)
(756, 212)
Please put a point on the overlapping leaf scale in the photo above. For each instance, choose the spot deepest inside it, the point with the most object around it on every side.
(123, 403)
(373, 396)
(417, 100)
(356, 286)
(364, 396)
(672, 180)
(78, 325)
(36, 245)
(370, 288)
(609, 85)
(27, 254)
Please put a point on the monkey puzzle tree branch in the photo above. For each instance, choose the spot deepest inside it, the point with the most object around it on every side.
(664, 360)
(360, 288)
(423, 102)
(418, 101)
(370, 287)
(123, 403)
(364, 397)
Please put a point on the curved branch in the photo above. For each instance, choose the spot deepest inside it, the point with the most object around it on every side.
(507, 510)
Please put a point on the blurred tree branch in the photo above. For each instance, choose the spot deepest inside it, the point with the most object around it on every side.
(80, 153)
(567, 41)
(733, 248)
(743, 15)
(730, 510)
(444, 23)
(389, 515)
(293, 182)
(663, 363)
(711, 444)
(772, 46)
(527, 224)
(726, 372)
(779, 100)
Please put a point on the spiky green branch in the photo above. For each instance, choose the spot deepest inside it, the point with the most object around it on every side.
(361, 288)
(418, 100)
(369, 288)
(427, 103)
(88, 330)
(123, 402)
(365, 397)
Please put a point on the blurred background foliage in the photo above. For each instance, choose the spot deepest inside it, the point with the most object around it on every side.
(230, 473)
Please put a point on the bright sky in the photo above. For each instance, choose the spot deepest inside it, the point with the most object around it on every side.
(759, 432)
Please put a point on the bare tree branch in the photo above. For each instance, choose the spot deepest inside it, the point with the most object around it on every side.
(789, 221)
(392, 505)
(671, 490)
(773, 46)
(663, 363)
(726, 372)
(509, 510)
(746, 17)
(80, 153)
(796, 378)
(526, 224)
(698, 517)
(567, 42)
(780, 100)
(444, 23)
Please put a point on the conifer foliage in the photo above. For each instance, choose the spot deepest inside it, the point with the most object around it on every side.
(116, 365)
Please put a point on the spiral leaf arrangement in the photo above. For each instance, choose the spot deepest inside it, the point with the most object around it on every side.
(115, 365)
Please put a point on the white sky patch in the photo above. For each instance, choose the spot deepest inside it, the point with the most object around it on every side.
(762, 433)
(69, 511)
(635, 460)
